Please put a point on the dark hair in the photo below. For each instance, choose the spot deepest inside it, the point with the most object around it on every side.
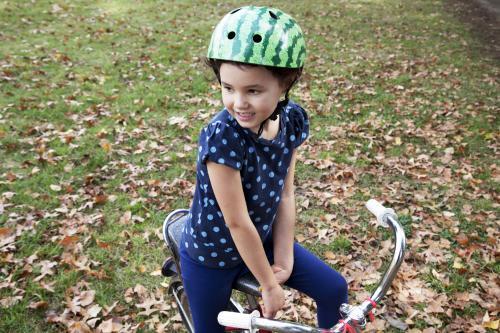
(286, 76)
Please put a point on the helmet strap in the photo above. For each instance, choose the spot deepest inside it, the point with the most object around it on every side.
(281, 105)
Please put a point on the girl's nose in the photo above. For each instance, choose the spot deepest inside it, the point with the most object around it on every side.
(240, 102)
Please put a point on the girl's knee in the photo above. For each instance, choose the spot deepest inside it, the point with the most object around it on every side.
(336, 289)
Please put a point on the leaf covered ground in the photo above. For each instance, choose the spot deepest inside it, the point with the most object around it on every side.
(100, 107)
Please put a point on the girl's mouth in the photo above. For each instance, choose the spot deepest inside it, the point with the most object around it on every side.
(244, 116)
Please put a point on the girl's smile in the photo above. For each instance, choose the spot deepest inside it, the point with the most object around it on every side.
(250, 94)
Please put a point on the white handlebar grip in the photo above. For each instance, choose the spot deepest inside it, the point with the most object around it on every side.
(236, 319)
(379, 211)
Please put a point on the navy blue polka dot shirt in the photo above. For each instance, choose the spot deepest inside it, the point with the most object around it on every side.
(263, 166)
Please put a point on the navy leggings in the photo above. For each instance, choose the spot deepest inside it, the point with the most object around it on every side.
(209, 289)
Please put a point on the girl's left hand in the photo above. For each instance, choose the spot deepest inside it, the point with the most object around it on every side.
(281, 273)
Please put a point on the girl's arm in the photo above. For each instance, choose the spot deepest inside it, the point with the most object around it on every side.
(284, 227)
(226, 183)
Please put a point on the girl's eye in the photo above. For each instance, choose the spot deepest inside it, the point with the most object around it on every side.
(227, 88)
(253, 91)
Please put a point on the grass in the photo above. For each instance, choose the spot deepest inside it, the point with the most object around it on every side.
(88, 91)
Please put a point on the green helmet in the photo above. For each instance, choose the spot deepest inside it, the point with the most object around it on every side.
(259, 35)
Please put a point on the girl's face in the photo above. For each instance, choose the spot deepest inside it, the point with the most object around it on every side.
(249, 93)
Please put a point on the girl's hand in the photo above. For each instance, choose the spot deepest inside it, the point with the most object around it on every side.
(281, 274)
(274, 299)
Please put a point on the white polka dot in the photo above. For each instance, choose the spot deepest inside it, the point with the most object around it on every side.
(213, 254)
(255, 197)
(250, 169)
(264, 167)
(210, 217)
(216, 229)
(224, 141)
(238, 165)
(222, 264)
(265, 227)
(264, 185)
(200, 258)
(204, 234)
(271, 174)
(213, 149)
(292, 137)
(266, 149)
(271, 194)
(232, 154)
(220, 161)
(223, 240)
(195, 245)
(251, 150)
(280, 182)
(186, 244)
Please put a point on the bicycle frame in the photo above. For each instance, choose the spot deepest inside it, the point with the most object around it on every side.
(354, 317)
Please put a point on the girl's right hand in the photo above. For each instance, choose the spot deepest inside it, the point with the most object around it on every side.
(274, 299)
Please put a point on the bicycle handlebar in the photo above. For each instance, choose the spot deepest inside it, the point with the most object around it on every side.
(354, 316)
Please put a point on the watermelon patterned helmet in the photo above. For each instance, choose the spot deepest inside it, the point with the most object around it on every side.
(258, 35)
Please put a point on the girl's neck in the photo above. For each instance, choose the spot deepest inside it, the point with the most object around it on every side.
(271, 129)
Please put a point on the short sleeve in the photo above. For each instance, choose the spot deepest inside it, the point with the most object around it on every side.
(300, 122)
(221, 143)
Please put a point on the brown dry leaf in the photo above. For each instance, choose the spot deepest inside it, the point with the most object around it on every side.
(69, 241)
(126, 218)
(86, 297)
(462, 239)
(94, 310)
(106, 146)
(329, 255)
(100, 199)
(4, 232)
(148, 305)
(38, 305)
(79, 327)
(181, 122)
(110, 326)
(46, 269)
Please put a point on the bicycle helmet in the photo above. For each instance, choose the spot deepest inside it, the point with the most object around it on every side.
(259, 35)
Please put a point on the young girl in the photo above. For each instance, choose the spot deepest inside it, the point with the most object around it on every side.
(243, 213)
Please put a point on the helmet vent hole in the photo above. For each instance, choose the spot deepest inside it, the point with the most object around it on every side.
(234, 11)
(273, 15)
(231, 35)
(257, 38)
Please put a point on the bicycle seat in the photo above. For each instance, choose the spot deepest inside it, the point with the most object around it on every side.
(246, 283)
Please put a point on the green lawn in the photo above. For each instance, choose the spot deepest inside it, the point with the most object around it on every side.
(101, 103)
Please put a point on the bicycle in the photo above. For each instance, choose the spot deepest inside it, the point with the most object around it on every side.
(237, 318)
